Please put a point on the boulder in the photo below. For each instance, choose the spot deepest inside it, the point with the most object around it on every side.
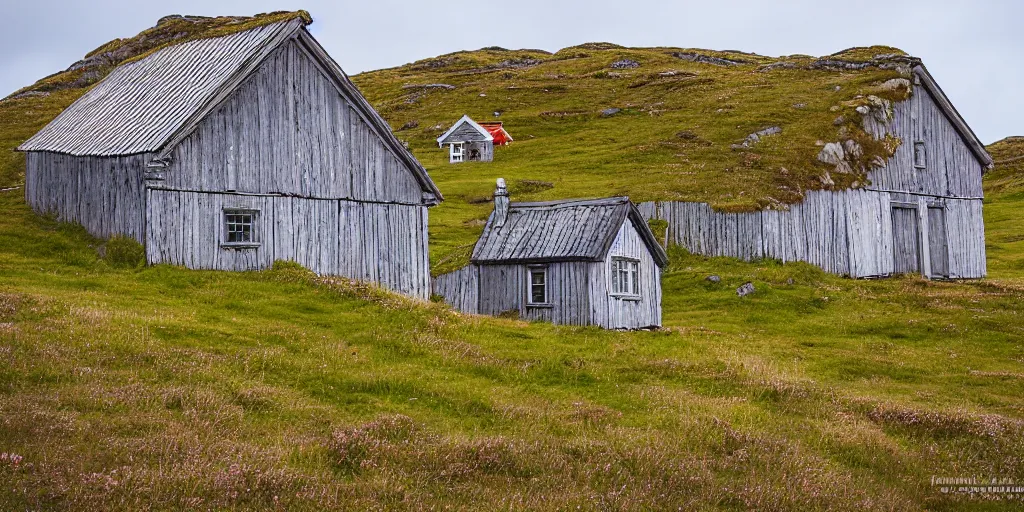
(745, 289)
(608, 112)
(713, 279)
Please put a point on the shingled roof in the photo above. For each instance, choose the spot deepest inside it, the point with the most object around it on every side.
(151, 104)
(571, 230)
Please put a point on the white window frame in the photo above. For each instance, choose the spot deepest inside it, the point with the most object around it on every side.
(457, 156)
(531, 271)
(625, 277)
(920, 155)
(230, 220)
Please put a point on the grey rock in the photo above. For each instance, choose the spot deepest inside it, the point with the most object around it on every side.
(713, 279)
(625, 64)
(745, 289)
(755, 137)
(447, 87)
(776, 65)
(704, 59)
(608, 112)
(832, 153)
(789, 281)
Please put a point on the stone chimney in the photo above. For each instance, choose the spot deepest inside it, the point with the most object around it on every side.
(500, 204)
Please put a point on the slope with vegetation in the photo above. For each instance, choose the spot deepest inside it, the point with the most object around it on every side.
(652, 123)
(125, 387)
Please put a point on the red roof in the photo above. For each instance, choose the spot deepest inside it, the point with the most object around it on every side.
(501, 137)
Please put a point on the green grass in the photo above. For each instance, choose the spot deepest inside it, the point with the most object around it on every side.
(125, 387)
(673, 139)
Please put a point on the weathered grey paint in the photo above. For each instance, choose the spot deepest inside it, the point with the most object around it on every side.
(286, 130)
(373, 242)
(103, 194)
(291, 141)
(851, 232)
(577, 242)
(617, 312)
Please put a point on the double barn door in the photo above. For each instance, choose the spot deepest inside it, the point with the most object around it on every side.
(908, 255)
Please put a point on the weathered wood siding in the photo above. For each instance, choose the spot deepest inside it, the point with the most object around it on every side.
(847, 232)
(614, 312)
(103, 194)
(503, 289)
(373, 242)
(465, 133)
(580, 292)
(851, 232)
(460, 289)
(951, 169)
(288, 130)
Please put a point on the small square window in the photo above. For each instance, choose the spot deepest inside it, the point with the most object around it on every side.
(919, 155)
(625, 277)
(238, 227)
(537, 293)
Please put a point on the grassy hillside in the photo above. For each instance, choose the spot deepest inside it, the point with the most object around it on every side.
(1004, 204)
(679, 133)
(125, 387)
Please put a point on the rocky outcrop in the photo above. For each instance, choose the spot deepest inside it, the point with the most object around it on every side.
(707, 59)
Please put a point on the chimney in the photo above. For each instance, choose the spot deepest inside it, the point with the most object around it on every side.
(500, 204)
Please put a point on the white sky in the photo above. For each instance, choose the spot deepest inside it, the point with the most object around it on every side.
(973, 48)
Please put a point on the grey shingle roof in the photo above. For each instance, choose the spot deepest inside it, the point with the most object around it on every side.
(571, 230)
(140, 105)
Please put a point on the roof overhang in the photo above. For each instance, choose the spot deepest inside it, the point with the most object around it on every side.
(464, 120)
(954, 117)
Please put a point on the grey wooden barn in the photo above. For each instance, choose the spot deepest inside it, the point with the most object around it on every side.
(575, 262)
(467, 141)
(919, 213)
(236, 151)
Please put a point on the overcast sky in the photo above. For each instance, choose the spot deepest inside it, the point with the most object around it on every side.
(973, 48)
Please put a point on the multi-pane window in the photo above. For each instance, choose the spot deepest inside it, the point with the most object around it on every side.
(919, 155)
(538, 285)
(238, 226)
(625, 276)
(456, 152)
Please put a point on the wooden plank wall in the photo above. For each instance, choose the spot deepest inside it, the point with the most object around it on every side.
(951, 169)
(847, 233)
(616, 312)
(103, 194)
(503, 288)
(287, 130)
(373, 242)
(460, 289)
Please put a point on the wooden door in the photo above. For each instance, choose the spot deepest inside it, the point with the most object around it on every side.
(906, 240)
(938, 248)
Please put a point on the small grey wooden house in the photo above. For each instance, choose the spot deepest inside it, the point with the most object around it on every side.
(467, 141)
(236, 151)
(576, 262)
(920, 213)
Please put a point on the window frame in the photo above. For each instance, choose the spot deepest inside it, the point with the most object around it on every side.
(922, 163)
(461, 153)
(631, 271)
(543, 270)
(225, 224)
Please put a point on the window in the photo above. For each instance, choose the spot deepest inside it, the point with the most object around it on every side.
(537, 293)
(238, 227)
(625, 277)
(919, 155)
(456, 152)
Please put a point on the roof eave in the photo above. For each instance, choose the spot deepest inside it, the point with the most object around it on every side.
(954, 117)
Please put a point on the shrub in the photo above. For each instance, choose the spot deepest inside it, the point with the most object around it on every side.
(125, 252)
